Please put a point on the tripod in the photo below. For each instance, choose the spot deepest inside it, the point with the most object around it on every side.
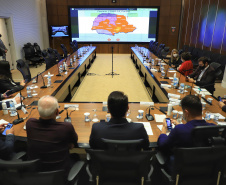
(112, 73)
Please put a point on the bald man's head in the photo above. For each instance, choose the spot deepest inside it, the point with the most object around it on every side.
(47, 107)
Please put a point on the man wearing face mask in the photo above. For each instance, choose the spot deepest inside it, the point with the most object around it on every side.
(180, 136)
(204, 75)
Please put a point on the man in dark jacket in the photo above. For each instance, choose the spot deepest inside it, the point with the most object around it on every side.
(118, 128)
(204, 75)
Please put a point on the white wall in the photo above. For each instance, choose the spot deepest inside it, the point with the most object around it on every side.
(28, 23)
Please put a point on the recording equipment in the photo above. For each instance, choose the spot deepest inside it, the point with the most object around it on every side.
(8, 93)
(148, 115)
(67, 119)
(44, 86)
(18, 120)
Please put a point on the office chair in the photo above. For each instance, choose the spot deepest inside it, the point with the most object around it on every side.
(120, 164)
(38, 50)
(27, 173)
(164, 52)
(64, 50)
(52, 55)
(185, 48)
(48, 61)
(30, 55)
(73, 47)
(217, 68)
(204, 136)
(59, 58)
(198, 165)
(24, 69)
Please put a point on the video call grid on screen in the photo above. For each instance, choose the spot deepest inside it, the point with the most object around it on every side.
(114, 24)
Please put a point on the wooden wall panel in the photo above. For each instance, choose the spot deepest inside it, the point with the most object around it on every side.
(57, 11)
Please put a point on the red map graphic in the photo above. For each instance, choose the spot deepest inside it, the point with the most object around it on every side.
(111, 24)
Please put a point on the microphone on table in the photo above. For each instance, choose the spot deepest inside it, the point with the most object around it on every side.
(68, 118)
(21, 102)
(148, 115)
(165, 77)
(180, 76)
(18, 120)
(58, 70)
(44, 85)
(205, 98)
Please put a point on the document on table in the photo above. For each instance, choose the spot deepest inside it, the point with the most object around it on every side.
(159, 117)
(221, 123)
(147, 127)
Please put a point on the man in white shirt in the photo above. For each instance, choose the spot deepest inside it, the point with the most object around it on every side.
(204, 76)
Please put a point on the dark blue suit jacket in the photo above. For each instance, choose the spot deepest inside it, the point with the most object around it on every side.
(117, 129)
(180, 136)
(6, 148)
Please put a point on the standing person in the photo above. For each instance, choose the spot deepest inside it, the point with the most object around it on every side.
(118, 128)
(6, 81)
(50, 140)
(175, 60)
(186, 68)
(3, 49)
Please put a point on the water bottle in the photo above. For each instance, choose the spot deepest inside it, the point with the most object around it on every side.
(182, 88)
(74, 58)
(12, 109)
(29, 92)
(4, 108)
(175, 81)
(49, 80)
(60, 69)
(71, 62)
(65, 66)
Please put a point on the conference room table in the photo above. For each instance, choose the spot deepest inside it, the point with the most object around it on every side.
(63, 87)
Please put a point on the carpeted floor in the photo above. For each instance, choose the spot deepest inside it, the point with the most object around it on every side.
(96, 85)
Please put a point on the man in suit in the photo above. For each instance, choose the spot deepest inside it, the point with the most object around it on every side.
(3, 49)
(204, 75)
(6, 147)
(180, 136)
(118, 128)
(50, 140)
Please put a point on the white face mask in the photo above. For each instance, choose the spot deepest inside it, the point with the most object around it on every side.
(175, 55)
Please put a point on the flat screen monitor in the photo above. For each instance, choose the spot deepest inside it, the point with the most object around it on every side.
(59, 31)
(114, 24)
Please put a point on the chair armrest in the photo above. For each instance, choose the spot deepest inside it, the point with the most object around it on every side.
(19, 155)
(160, 158)
(76, 168)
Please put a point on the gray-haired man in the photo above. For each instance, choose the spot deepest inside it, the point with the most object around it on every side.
(48, 139)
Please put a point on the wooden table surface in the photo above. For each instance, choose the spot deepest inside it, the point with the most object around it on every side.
(83, 128)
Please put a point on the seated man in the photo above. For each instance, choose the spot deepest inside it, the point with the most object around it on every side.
(204, 75)
(48, 139)
(118, 128)
(180, 136)
(6, 147)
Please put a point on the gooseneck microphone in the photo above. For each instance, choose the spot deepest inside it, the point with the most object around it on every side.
(67, 119)
(165, 77)
(44, 85)
(148, 115)
(18, 120)
(21, 102)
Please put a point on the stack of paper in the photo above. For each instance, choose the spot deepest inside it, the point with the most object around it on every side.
(147, 127)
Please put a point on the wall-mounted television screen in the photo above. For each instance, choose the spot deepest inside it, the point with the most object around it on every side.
(114, 24)
(59, 31)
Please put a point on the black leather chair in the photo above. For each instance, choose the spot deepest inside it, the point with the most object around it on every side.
(196, 166)
(30, 54)
(24, 69)
(217, 68)
(207, 54)
(215, 57)
(38, 50)
(48, 61)
(164, 53)
(185, 48)
(64, 50)
(59, 58)
(52, 55)
(28, 172)
(204, 136)
(120, 164)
